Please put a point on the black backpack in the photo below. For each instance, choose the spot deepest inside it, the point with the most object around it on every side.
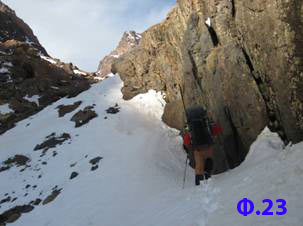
(199, 126)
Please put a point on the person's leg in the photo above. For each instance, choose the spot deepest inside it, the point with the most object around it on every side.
(199, 160)
(199, 165)
(208, 163)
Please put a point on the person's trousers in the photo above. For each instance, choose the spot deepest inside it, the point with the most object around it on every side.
(200, 155)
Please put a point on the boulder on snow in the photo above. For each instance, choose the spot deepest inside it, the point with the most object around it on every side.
(73, 175)
(52, 141)
(84, 116)
(7, 199)
(113, 110)
(96, 160)
(65, 109)
(36, 202)
(95, 167)
(14, 213)
(52, 196)
(18, 160)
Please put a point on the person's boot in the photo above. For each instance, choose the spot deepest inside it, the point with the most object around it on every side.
(198, 179)
(207, 176)
(208, 168)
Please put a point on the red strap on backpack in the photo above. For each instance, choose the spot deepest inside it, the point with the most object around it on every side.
(186, 139)
(216, 129)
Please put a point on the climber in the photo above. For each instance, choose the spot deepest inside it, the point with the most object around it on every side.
(198, 142)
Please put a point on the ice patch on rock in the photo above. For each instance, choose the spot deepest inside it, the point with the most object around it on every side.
(76, 71)
(4, 70)
(208, 22)
(52, 61)
(34, 99)
(4, 109)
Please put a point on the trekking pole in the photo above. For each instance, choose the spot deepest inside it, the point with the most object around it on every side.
(183, 103)
(182, 98)
(184, 177)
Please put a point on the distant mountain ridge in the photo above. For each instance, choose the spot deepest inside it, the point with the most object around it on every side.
(129, 41)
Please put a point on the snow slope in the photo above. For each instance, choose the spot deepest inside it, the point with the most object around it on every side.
(139, 179)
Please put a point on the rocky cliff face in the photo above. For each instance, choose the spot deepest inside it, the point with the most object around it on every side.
(128, 42)
(12, 27)
(241, 59)
(30, 79)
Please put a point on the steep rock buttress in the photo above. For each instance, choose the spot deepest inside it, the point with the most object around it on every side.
(243, 60)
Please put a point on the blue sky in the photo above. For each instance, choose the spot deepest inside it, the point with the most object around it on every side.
(83, 32)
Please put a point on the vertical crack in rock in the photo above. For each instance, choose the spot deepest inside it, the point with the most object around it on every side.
(213, 35)
(273, 115)
(248, 61)
(233, 12)
(195, 70)
(235, 160)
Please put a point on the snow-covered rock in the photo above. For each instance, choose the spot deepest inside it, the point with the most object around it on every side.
(48, 59)
(34, 98)
(4, 70)
(208, 22)
(76, 71)
(4, 109)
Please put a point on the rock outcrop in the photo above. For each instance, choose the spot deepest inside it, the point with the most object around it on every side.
(12, 27)
(29, 79)
(129, 41)
(241, 59)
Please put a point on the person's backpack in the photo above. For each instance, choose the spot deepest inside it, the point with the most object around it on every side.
(199, 126)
